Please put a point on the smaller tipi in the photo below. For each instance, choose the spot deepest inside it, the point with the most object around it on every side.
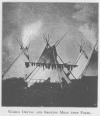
(87, 65)
(91, 68)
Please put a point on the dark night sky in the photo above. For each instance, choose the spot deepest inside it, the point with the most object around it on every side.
(80, 21)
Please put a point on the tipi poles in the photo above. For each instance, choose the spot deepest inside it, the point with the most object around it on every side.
(56, 44)
(57, 71)
(22, 47)
(12, 63)
(79, 58)
(63, 63)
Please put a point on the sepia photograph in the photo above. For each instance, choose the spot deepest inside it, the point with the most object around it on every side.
(49, 54)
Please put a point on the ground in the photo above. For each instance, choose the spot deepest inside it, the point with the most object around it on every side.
(80, 93)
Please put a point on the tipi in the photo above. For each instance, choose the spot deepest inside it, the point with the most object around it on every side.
(87, 65)
(91, 68)
(48, 66)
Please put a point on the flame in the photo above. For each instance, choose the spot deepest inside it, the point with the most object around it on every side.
(30, 32)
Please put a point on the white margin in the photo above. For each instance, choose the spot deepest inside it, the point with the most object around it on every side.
(4, 110)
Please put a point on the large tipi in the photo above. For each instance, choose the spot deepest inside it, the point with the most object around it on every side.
(48, 67)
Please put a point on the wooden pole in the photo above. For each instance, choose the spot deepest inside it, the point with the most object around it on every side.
(12, 63)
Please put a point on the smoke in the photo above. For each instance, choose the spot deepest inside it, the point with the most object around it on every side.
(87, 14)
(9, 43)
(89, 33)
(30, 32)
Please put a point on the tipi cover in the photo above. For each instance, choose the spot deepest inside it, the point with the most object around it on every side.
(92, 66)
